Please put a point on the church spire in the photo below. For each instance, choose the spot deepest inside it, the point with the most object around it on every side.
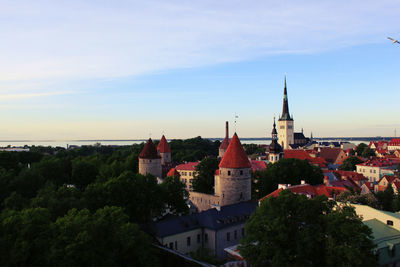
(285, 109)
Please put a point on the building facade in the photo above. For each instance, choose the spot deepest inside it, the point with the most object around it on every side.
(150, 161)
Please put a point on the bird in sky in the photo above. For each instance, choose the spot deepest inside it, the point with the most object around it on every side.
(393, 40)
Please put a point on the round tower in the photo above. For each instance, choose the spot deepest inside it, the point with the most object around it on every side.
(233, 184)
(149, 161)
(225, 143)
(164, 151)
(275, 149)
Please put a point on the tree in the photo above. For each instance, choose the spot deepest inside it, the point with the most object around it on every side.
(83, 173)
(285, 171)
(291, 230)
(368, 152)
(105, 238)
(204, 176)
(385, 198)
(350, 163)
(360, 148)
(24, 237)
(253, 149)
(175, 195)
(139, 195)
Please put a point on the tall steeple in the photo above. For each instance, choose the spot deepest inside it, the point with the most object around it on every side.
(285, 109)
(275, 150)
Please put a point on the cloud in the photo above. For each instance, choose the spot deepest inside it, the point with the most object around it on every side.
(30, 95)
(105, 39)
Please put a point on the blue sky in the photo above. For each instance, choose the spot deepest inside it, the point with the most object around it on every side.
(128, 69)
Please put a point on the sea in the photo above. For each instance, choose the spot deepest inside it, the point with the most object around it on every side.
(258, 141)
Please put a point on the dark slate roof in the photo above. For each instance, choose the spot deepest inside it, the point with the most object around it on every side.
(211, 219)
(299, 136)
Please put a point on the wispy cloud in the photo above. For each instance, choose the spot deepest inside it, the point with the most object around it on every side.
(74, 39)
(30, 95)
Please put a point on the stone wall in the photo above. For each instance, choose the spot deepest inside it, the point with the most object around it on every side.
(204, 201)
(233, 185)
(152, 166)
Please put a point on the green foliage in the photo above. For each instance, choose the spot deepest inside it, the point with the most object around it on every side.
(350, 163)
(25, 237)
(357, 198)
(175, 195)
(105, 238)
(253, 149)
(291, 230)
(285, 171)
(206, 255)
(80, 238)
(203, 180)
(193, 149)
(364, 150)
(385, 199)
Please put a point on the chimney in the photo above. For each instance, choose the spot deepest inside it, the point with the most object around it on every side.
(326, 180)
(226, 129)
(282, 186)
(302, 182)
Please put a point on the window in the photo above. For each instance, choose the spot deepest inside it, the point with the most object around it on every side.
(235, 234)
(150, 160)
(229, 173)
(241, 172)
(198, 238)
(190, 173)
(389, 222)
(171, 245)
(188, 241)
(206, 238)
(228, 236)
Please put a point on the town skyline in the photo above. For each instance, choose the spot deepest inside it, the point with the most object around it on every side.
(122, 71)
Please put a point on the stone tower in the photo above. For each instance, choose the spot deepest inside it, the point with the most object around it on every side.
(233, 184)
(164, 151)
(285, 123)
(275, 149)
(149, 161)
(225, 143)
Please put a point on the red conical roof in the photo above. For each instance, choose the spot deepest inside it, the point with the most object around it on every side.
(163, 146)
(235, 156)
(225, 143)
(149, 151)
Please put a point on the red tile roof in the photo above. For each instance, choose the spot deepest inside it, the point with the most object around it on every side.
(189, 166)
(163, 146)
(258, 165)
(173, 172)
(304, 155)
(378, 162)
(149, 151)
(309, 190)
(341, 162)
(235, 156)
(330, 154)
(397, 184)
(394, 142)
(355, 176)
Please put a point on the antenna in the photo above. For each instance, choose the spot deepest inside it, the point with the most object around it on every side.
(236, 116)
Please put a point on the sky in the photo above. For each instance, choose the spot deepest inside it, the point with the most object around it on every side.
(132, 69)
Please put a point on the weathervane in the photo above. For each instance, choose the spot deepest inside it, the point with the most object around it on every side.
(236, 116)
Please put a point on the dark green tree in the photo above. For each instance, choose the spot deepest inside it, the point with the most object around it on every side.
(285, 171)
(105, 238)
(25, 237)
(139, 195)
(360, 149)
(368, 152)
(175, 195)
(350, 163)
(385, 199)
(291, 230)
(204, 177)
(83, 173)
